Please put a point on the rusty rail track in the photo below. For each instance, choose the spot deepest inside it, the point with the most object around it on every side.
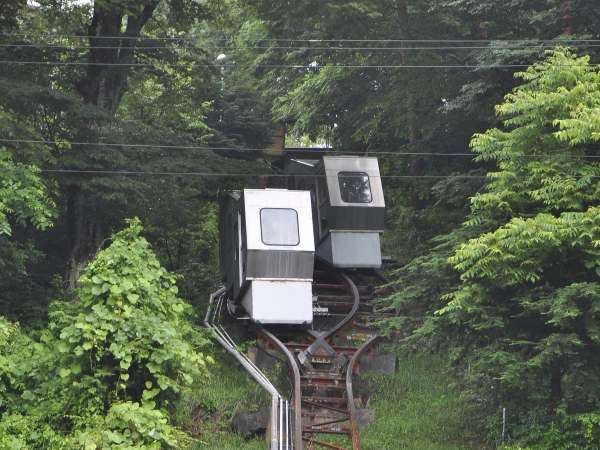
(322, 360)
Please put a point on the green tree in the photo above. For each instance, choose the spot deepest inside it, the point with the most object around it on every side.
(523, 319)
(109, 364)
(24, 203)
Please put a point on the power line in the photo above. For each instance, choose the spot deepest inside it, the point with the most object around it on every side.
(247, 175)
(225, 174)
(190, 38)
(207, 148)
(190, 47)
(117, 144)
(262, 150)
(290, 66)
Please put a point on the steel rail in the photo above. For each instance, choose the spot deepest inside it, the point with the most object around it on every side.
(350, 394)
(320, 338)
(226, 341)
(350, 284)
(297, 396)
(324, 444)
(286, 422)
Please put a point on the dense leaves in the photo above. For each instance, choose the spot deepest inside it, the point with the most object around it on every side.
(22, 195)
(511, 294)
(523, 314)
(130, 325)
(108, 364)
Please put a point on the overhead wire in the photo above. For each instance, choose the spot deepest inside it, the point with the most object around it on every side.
(263, 150)
(494, 45)
(63, 171)
(311, 65)
(232, 174)
(195, 38)
(301, 48)
(538, 44)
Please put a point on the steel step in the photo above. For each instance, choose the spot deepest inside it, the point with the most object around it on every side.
(340, 401)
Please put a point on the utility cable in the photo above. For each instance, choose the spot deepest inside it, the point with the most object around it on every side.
(263, 150)
(313, 40)
(223, 174)
(247, 175)
(301, 48)
(289, 66)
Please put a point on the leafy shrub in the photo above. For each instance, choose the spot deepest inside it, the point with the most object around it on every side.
(517, 302)
(568, 432)
(130, 329)
(130, 425)
(22, 194)
(19, 432)
(102, 372)
(13, 345)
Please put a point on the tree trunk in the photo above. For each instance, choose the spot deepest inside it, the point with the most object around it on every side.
(566, 7)
(555, 385)
(104, 87)
(403, 33)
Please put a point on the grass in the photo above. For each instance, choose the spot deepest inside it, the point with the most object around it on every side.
(229, 441)
(416, 408)
(206, 411)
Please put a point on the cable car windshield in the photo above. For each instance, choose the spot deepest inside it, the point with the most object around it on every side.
(279, 226)
(355, 187)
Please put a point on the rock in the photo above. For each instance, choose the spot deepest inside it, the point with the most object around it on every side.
(199, 415)
(362, 391)
(262, 359)
(364, 417)
(383, 363)
(250, 423)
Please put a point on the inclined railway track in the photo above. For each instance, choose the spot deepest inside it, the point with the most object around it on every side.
(321, 361)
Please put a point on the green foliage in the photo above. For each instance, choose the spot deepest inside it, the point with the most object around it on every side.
(524, 307)
(522, 317)
(131, 425)
(23, 196)
(130, 330)
(20, 432)
(11, 340)
(109, 362)
(540, 156)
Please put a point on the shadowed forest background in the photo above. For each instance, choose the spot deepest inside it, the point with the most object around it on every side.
(122, 120)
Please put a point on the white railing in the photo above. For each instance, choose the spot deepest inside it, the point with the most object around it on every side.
(281, 429)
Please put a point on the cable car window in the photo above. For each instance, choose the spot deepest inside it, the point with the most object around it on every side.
(279, 226)
(355, 187)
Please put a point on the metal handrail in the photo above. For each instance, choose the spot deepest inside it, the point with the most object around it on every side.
(280, 438)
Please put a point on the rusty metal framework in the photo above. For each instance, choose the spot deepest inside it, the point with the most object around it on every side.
(321, 361)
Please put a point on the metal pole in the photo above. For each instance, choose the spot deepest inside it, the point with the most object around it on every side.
(296, 431)
(274, 401)
(287, 425)
(503, 424)
(223, 338)
(280, 432)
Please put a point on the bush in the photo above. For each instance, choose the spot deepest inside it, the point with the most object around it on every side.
(19, 432)
(130, 329)
(109, 363)
(131, 425)
(14, 349)
(568, 432)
